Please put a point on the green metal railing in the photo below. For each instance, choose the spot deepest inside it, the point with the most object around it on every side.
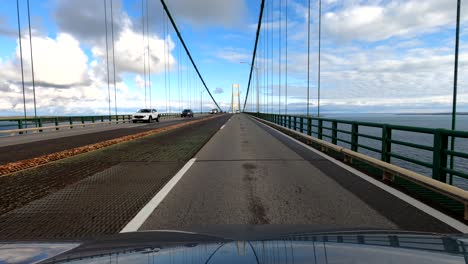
(438, 148)
(21, 123)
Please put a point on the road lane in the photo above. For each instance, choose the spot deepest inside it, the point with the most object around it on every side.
(246, 175)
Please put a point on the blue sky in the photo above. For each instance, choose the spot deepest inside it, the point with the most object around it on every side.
(377, 56)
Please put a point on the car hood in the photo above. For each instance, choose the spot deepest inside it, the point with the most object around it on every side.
(248, 245)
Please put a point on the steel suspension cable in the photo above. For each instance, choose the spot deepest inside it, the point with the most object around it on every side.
(286, 65)
(272, 56)
(149, 54)
(165, 59)
(113, 55)
(455, 86)
(187, 51)
(259, 26)
(308, 57)
(144, 46)
(32, 61)
(279, 60)
(267, 63)
(107, 57)
(21, 60)
(319, 53)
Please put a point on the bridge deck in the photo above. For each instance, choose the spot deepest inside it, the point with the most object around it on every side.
(247, 173)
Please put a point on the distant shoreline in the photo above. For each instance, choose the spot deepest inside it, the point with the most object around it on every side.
(461, 113)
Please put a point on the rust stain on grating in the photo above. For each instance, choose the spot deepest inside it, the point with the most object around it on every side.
(16, 166)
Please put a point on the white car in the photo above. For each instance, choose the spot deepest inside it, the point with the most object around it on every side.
(145, 115)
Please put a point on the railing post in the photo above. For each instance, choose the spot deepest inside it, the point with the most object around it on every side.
(320, 129)
(289, 122)
(56, 123)
(439, 157)
(334, 132)
(82, 120)
(70, 119)
(295, 123)
(354, 137)
(92, 119)
(102, 119)
(117, 119)
(40, 123)
(302, 124)
(20, 125)
(309, 126)
(386, 143)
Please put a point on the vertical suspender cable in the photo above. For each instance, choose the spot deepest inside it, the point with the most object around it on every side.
(107, 57)
(168, 70)
(308, 57)
(455, 86)
(32, 61)
(272, 58)
(279, 60)
(286, 66)
(144, 46)
(179, 76)
(265, 68)
(21, 60)
(319, 55)
(113, 55)
(165, 59)
(149, 54)
(267, 63)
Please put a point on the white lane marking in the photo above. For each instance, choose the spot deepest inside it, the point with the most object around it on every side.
(144, 213)
(222, 127)
(452, 222)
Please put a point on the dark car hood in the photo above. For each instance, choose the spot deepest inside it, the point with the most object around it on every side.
(247, 245)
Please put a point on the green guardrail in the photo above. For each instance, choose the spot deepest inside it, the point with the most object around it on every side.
(317, 127)
(20, 123)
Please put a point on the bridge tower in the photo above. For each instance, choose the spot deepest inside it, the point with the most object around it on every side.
(235, 102)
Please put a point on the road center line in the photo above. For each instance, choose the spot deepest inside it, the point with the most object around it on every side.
(450, 221)
(146, 211)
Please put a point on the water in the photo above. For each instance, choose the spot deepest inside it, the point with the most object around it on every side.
(428, 121)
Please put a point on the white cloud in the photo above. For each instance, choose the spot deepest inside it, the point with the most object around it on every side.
(373, 22)
(129, 50)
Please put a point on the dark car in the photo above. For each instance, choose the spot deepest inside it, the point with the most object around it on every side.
(186, 113)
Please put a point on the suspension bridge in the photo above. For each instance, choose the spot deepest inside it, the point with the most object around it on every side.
(74, 177)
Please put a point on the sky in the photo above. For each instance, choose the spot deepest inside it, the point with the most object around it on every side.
(377, 56)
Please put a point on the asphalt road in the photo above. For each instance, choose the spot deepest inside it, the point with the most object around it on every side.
(28, 146)
(96, 193)
(250, 174)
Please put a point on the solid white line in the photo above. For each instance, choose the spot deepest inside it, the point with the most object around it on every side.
(222, 126)
(144, 213)
(452, 222)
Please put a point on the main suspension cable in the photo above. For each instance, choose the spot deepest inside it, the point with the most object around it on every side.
(252, 64)
(187, 51)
